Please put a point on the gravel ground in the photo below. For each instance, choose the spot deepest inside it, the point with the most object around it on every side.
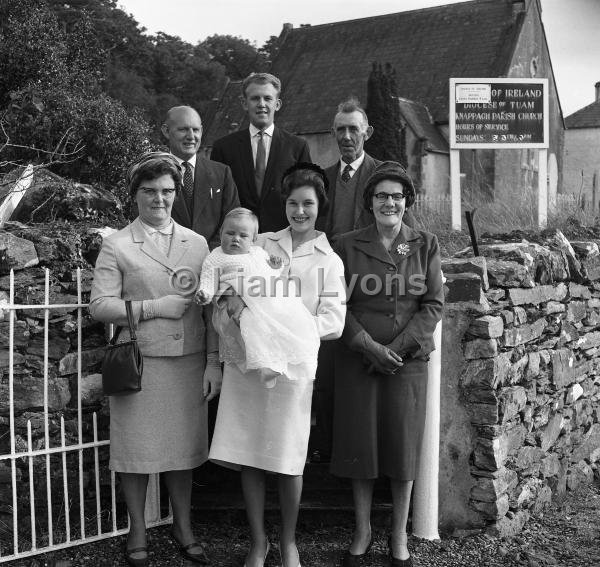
(566, 535)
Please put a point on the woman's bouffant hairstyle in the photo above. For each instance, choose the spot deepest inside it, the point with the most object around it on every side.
(305, 173)
(388, 170)
(152, 165)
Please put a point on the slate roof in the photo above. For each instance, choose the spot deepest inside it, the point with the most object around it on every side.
(321, 65)
(587, 117)
(421, 122)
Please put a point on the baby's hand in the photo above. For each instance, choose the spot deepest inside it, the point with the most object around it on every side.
(275, 262)
(201, 297)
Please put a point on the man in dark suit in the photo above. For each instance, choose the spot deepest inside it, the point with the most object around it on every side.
(209, 191)
(260, 154)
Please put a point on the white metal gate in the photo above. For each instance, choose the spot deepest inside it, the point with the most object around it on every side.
(77, 529)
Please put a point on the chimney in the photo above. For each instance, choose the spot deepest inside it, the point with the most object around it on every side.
(518, 7)
(597, 85)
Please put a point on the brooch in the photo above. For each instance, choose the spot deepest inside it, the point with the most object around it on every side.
(402, 249)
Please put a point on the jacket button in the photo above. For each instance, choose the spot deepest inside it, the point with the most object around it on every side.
(391, 269)
(177, 336)
(390, 299)
(390, 315)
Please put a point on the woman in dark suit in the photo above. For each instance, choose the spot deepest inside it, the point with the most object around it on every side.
(395, 298)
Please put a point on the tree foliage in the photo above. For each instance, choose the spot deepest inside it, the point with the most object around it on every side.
(238, 56)
(388, 139)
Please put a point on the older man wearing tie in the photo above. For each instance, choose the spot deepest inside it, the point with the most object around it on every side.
(209, 191)
(260, 154)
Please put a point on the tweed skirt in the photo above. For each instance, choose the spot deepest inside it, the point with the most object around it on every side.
(264, 428)
(163, 427)
(378, 420)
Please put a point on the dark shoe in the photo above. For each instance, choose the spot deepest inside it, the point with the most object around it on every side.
(395, 562)
(140, 561)
(266, 553)
(186, 551)
(351, 560)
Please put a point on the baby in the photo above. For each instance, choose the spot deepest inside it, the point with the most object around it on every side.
(279, 334)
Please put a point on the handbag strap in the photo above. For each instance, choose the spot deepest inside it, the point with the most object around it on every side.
(132, 336)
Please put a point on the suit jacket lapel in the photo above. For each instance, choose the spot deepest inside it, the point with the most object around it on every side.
(406, 244)
(148, 247)
(368, 242)
(181, 209)
(180, 245)
(204, 185)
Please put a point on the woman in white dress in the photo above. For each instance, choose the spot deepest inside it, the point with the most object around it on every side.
(260, 429)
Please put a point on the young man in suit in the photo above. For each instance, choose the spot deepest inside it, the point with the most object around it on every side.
(209, 191)
(260, 154)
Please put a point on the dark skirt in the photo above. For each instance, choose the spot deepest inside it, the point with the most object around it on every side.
(378, 419)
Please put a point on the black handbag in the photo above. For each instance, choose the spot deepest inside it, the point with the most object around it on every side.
(123, 363)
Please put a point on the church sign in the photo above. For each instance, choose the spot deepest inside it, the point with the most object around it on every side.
(498, 113)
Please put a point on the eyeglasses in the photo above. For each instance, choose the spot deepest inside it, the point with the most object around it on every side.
(383, 197)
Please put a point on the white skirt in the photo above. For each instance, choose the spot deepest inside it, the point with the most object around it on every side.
(264, 428)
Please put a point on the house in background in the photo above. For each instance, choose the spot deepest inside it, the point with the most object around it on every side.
(582, 153)
(322, 65)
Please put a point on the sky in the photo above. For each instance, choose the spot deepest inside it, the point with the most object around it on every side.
(572, 28)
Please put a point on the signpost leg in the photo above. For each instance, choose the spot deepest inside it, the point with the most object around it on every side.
(542, 188)
(455, 189)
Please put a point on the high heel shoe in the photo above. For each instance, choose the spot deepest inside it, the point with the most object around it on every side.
(355, 560)
(266, 553)
(133, 561)
(186, 551)
(395, 562)
(281, 557)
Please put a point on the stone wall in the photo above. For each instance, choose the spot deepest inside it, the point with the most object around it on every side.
(520, 391)
(62, 249)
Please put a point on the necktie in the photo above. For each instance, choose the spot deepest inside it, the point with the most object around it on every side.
(261, 159)
(188, 180)
(346, 173)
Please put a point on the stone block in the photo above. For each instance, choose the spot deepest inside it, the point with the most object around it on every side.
(537, 295)
(483, 414)
(504, 273)
(580, 474)
(576, 311)
(554, 307)
(68, 364)
(463, 287)
(510, 525)
(489, 489)
(21, 334)
(486, 327)
(550, 466)
(549, 434)
(573, 393)
(520, 315)
(57, 347)
(525, 333)
(542, 500)
(476, 265)
(579, 291)
(495, 295)
(529, 460)
(16, 253)
(568, 333)
(507, 316)
(29, 393)
(589, 448)
(526, 493)
(488, 454)
(533, 365)
(563, 367)
(18, 358)
(492, 510)
(91, 389)
(512, 400)
(486, 373)
(480, 348)
(592, 319)
(589, 258)
(589, 340)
